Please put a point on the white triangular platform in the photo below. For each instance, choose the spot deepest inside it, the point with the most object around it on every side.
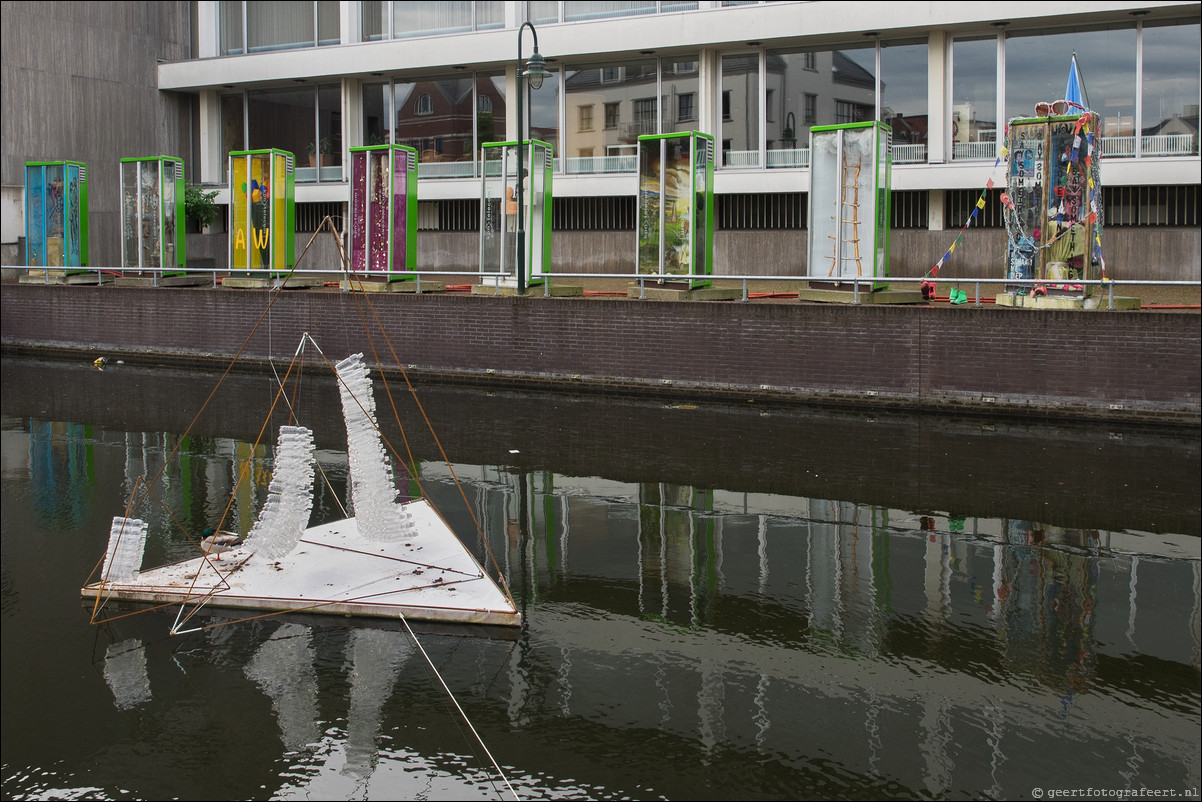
(334, 570)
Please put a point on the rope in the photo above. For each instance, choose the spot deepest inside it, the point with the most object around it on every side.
(466, 720)
(928, 287)
(352, 277)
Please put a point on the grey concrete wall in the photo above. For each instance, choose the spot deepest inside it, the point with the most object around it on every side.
(1152, 254)
(80, 82)
(1155, 254)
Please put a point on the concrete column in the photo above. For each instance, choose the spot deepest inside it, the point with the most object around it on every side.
(208, 41)
(937, 101)
(352, 119)
(707, 95)
(350, 23)
(210, 137)
(936, 205)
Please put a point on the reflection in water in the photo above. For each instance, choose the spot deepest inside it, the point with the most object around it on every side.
(376, 659)
(283, 668)
(685, 636)
(125, 673)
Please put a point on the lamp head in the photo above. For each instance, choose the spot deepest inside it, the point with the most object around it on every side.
(536, 70)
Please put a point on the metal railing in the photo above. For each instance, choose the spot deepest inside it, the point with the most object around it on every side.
(463, 169)
(1154, 145)
(499, 280)
(602, 164)
(908, 154)
(974, 150)
(789, 157)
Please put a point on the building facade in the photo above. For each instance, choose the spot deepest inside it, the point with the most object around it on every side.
(316, 78)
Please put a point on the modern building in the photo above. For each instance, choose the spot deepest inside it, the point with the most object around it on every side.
(316, 78)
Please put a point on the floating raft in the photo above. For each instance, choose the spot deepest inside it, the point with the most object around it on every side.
(335, 570)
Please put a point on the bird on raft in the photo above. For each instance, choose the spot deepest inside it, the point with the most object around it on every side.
(215, 542)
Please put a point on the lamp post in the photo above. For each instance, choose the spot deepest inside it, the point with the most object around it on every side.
(789, 136)
(536, 71)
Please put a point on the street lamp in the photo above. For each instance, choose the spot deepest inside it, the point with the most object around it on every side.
(789, 136)
(536, 71)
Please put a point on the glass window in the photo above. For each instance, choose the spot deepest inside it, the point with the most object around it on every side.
(741, 110)
(816, 87)
(543, 11)
(974, 98)
(612, 87)
(686, 107)
(279, 25)
(438, 118)
(374, 23)
(258, 26)
(419, 18)
(490, 14)
(377, 129)
(613, 114)
(681, 87)
(847, 112)
(329, 131)
(600, 9)
(1170, 92)
(904, 98)
(1037, 67)
(307, 122)
(424, 18)
(231, 27)
(233, 128)
(490, 124)
(329, 26)
(643, 110)
(853, 72)
(544, 111)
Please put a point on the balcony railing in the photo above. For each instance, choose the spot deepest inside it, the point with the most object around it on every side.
(464, 169)
(789, 157)
(909, 154)
(603, 164)
(1155, 145)
(741, 158)
(974, 150)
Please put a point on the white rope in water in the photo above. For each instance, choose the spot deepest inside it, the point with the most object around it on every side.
(457, 707)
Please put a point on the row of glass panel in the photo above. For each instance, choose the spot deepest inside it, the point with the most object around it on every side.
(255, 26)
(770, 98)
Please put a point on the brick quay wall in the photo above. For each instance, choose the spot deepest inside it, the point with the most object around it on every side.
(1112, 365)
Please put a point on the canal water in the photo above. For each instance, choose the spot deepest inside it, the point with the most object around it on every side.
(721, 601)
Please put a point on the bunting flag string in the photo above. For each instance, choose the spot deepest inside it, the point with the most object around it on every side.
(928, 287)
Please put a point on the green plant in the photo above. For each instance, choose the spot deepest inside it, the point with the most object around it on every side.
(199, 206)
(326, 145)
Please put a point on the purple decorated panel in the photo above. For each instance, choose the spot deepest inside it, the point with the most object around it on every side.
(377, 211)
(400, 208)
(359, 210)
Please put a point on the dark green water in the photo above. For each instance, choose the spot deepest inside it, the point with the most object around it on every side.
(721, 602)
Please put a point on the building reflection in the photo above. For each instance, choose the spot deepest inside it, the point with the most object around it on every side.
(729, 618)
(740, 620)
